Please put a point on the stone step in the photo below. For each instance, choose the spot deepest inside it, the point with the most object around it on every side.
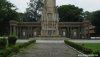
(50, 38)
(49, 41)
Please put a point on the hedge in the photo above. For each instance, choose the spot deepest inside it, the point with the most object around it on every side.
(3, 43)
(97, 53)
(12, 40)
(15, 49)
(79, 47)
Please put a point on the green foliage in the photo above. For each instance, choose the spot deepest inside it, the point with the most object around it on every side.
(7, 13)
(15, 49)
(79, 47)
(33, 11)
(12, 40)
(3, 43)
(87, 15)
(70, 13)
(94, 17)
(93, 46)
(97, 53)
(96, 20)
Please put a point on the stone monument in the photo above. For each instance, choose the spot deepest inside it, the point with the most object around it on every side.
(49, 21)
(49, 25)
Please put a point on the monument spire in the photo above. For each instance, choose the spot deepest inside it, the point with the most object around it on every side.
(49, 22)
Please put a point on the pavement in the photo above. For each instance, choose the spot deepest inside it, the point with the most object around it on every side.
(51, 48)
(48, 49)
(85, 41)
(22, 41)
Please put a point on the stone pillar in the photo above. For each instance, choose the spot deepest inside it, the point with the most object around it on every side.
(14, 30)
(81, 32)
(84, 32)
(82, 29)
(88, 32)
(10, 30)
(31, 31)
(78, 32)
(28, 32)
(20, 32)
(68, 32)
(71, 32)
(17, 31)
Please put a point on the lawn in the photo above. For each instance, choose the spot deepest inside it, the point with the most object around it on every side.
(93, 46)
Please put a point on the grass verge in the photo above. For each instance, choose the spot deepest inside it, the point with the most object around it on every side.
(14, 49)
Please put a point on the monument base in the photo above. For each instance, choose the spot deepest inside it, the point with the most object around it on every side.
(50, 35)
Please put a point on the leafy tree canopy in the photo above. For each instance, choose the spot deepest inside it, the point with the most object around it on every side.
(95, 18)
(33, 12)
(70, 13)
(7, 13)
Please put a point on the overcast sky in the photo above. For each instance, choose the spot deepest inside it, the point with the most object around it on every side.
(87, 5)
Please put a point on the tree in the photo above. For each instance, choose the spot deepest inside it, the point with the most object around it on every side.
(96, 20)
(33, 13)
(7, 13)
(87, 15)
(70, 13)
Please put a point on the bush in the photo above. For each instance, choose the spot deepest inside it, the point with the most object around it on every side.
(3, 43)
(97, 53)
(12, 40)
(79, 47)
(87, 50)
(15, 49)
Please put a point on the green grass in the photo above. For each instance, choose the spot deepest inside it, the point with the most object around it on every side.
(93, 46)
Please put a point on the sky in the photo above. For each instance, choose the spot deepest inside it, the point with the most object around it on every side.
(87, 5)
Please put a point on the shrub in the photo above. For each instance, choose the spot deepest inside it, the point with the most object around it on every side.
(97, 53)
(14, 49)
(87, 51)
(3, 43)
(79, 47)
(12, 40)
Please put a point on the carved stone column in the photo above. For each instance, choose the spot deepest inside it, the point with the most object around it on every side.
(10, 30)
(14, 30)
(20, 32)
(31, 31)
(68, 32)
(17, 31)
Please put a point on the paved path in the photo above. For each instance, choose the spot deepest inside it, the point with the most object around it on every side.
(47, 50)
(85, 41)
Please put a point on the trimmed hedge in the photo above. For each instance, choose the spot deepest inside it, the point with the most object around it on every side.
(12, 40)
(15, 49)
(3, 43)
(97, 53)
(79, 47)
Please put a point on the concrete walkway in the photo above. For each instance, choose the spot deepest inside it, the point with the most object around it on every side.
(47, 50)
(85, 41)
